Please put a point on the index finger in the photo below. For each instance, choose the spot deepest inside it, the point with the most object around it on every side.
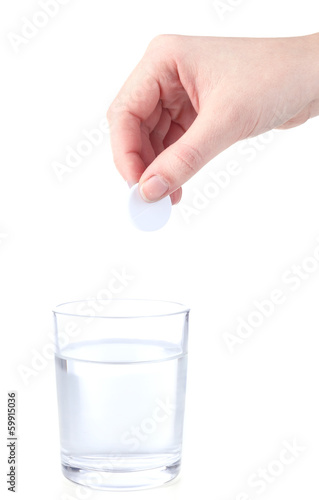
(135, 102)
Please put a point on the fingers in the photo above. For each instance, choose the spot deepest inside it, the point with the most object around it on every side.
(133, 113)
(165, 130)
(211, 133)
(176, 196)
(160, 131)
(126, 141)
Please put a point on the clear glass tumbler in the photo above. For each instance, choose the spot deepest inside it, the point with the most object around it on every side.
(121, 380)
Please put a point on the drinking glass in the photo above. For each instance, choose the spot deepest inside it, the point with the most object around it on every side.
(121, 381)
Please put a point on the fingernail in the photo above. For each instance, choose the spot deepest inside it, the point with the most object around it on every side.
(154, 188)
(130, 183)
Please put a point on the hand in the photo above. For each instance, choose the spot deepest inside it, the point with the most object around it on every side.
(190, 98)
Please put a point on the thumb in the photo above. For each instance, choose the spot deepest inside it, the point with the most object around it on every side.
(206, 138)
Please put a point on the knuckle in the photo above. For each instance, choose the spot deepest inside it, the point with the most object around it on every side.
(189, 159)
(115, 107)
(158, 40)
(109, 113)
(163, 42)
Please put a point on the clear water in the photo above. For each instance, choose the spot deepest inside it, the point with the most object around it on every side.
(120, 412)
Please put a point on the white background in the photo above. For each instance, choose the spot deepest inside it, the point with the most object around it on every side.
(62, 241)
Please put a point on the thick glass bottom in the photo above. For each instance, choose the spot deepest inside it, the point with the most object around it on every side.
(134, 473)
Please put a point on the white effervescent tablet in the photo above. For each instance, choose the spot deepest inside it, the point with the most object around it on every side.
(148, 216)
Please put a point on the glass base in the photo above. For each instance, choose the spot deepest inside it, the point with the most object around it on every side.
(122, 480)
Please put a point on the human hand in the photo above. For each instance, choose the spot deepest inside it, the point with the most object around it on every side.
(190, 98)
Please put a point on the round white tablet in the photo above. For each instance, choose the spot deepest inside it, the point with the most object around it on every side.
(148, 216)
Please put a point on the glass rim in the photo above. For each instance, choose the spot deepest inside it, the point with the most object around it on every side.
(180, 308)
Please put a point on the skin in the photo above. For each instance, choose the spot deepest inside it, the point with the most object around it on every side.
(190, 98)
